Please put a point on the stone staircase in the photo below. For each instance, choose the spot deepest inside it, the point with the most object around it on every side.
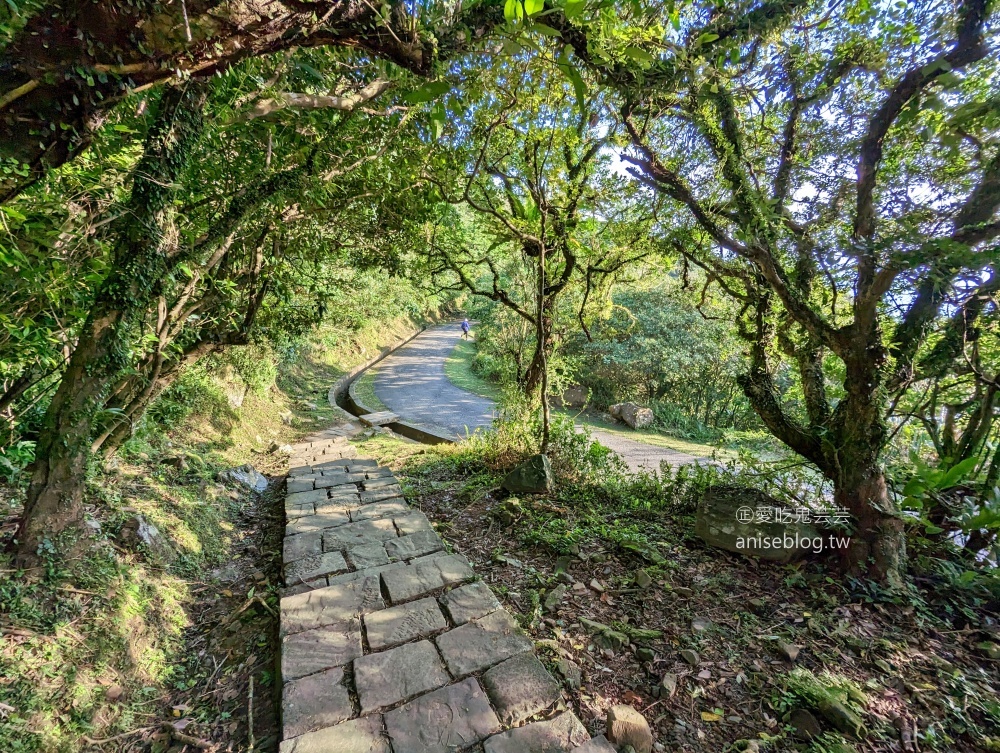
(388, 643)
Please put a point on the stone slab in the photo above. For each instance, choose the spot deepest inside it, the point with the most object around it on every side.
(421, 578)
(443, 721)
(314, 702)
(378, 482)
(389, 627)
(413, 545)
(519, 688)
(469, 602)
(380, 472)
(302, 545)
(305, 498)
(311, 651)
(317, 522)
(412, 522)
(377, 495)
(371, 573)
(389, 508)
(299, 511)
(362, 463)
(379, 418)
(388, 677)
(482, 643)
(338, 604)
(299, 484)
(599, 744)
(358, 534)
(367, 556)
(559, 735)
(315, 566)
(355, 736)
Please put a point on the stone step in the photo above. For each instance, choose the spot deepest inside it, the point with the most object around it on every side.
(378, 611)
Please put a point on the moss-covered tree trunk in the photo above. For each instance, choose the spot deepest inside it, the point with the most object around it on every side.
(53, 513)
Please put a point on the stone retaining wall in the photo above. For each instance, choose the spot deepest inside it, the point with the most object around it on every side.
(389, 644)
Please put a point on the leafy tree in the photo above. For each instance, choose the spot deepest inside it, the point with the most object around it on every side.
(835, 171)
(67, 62)
(536, 176)
(228, 219)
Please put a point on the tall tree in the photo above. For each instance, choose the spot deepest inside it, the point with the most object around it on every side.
(835, 170)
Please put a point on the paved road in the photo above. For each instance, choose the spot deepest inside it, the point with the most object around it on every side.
(413, 384)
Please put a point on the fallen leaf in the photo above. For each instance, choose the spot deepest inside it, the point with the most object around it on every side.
(708, 716)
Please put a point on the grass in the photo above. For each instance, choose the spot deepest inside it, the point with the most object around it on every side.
(458, 369)
(364, 388)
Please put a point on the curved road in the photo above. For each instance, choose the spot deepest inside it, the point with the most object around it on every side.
(412, 383)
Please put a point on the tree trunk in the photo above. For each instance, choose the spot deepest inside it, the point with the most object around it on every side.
(54, 504)
(877, 548)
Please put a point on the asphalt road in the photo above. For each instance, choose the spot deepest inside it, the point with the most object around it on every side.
(412, 383)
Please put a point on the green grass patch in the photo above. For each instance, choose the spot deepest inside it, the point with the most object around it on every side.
(364, 388)
(458, 369)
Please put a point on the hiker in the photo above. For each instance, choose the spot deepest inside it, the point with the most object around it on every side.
(465, 329)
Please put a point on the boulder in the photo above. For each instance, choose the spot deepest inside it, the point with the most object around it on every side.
(626, 726)
(533, 476)
(246, 476)
(139, 534)
(634, 415)
(750, 522)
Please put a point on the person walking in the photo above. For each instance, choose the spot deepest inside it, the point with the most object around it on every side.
(465, 329)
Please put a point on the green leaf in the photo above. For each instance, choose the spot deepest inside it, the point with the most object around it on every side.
(574, 8)
(427, 92)
(707, 37)
(639, 55)
(437, 121)
(531, 7)
(958, 473)
(546, 30)
(513, 10)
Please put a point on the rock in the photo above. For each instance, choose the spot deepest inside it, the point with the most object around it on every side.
(642, 579)
(175, 461)
(281, 449)
(553, 598)
(626, 726)
(114, 692)
(562, 564)
(667, 686)
(805, 724)
(246, 476)
(596, 585)
(788, 650)
(841, 717)
(683, 592)
(759, 607)
(509, 511)
(691, 657)
(700, 624)
(534, 476)
(571, 673)
(645, 654)
(140, 533)
(634, 415)
(737, 519)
